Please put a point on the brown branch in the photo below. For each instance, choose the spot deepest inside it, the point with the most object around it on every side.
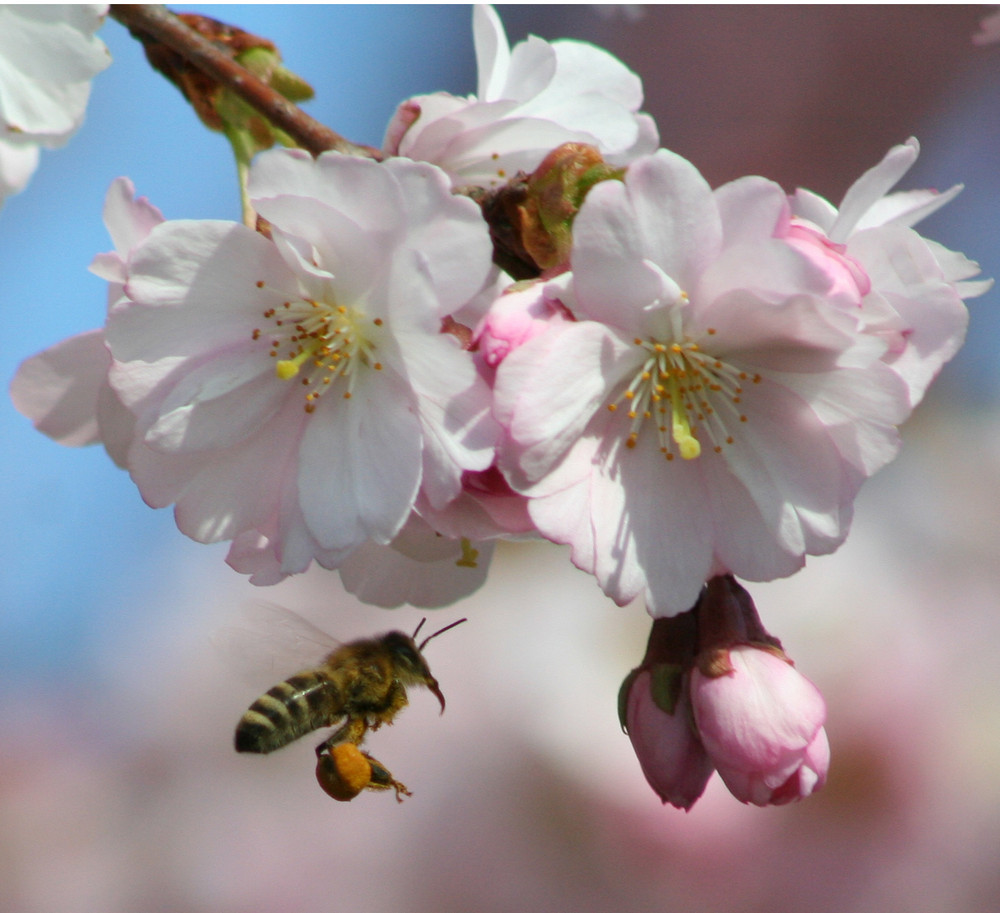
(159, 24)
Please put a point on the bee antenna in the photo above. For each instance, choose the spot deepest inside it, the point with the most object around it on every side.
(419, 626)
(435, 634)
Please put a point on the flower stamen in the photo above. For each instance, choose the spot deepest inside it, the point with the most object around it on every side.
(692, 395)
(324, 342)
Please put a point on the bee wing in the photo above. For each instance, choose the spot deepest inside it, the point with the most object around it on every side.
(270, 643)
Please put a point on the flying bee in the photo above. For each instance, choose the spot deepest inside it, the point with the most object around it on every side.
(359, 685)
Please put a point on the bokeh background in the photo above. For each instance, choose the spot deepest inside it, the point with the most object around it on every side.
(119, 790)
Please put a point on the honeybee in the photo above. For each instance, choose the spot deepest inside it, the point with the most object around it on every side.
(359, 685)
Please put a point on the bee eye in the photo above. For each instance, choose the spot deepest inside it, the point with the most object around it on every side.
(409, 655)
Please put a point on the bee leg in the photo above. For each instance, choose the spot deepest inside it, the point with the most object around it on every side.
(352, 731)
(382, 779)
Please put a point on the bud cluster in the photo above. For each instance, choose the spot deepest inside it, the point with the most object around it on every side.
(716, 692)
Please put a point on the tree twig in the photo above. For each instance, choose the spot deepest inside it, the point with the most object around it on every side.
(158, 23)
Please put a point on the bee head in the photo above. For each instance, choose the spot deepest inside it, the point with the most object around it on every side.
(411, 667)
(409, 664)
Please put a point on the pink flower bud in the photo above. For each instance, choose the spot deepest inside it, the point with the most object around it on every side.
(516, 317)
(405, 117)
(673, 760)
(848, 280)
(762, 726)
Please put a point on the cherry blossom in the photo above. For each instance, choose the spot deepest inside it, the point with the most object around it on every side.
(713, 409)
(48, 56)
(911, 288)
(529, 100)
(296, 394)
(65, 390)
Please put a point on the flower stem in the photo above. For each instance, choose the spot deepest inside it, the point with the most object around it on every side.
(158, 23)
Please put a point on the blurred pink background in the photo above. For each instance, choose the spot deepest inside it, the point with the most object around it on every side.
(119, 789)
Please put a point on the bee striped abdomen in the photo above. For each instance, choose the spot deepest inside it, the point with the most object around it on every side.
(287, 711)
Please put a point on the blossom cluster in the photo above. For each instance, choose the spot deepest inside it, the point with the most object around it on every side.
(686, 383)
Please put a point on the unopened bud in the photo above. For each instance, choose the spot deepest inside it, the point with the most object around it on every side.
(658, 719)
(762, 725)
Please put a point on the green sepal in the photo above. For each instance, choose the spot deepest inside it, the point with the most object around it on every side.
(266, 65)
(665, 685)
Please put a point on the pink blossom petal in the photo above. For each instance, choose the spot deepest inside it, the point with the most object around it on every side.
(18, 162)
(615, 283)
(795, 335)
(530, 100)
(933, 319)
(770, 269)
(516, 317)
(360, 464)
(811, 207)
(871, 186)
(732, 509)
(454, 406)
(215, 404)
(446, 230)
(336, 250)
(48, 57)
(788, 463)
(531, 70)
(544, 418)
(492, 51)
(906, 207)
(675, 214)
(58, 389)
(218, 498)
(461, 141)
(419, 568)
(487, 508)
(340, 182)
(612, 517)
(751, 208)
(584, 68)
(860, 415)
(128, 219)
(182, 308)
